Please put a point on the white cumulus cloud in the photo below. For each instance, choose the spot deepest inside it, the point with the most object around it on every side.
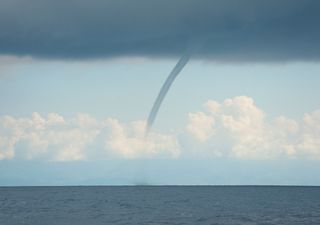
(200, 125)
(55, 138)
(310, 141)
(235, 127)
(129, 141)
(251, 135)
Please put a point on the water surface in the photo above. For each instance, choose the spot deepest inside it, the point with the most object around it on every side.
(97, 205)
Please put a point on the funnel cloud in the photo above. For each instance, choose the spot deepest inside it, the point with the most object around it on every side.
(165, 88)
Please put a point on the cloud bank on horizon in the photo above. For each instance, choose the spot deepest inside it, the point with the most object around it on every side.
(235, 128)
(251, 135)
(231, 30)
(55, 138)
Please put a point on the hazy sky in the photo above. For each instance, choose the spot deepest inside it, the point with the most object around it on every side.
(78, 78)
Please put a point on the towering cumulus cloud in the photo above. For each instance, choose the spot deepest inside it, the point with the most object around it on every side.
(236, 30)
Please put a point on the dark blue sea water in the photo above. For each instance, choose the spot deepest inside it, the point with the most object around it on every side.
(159, 205)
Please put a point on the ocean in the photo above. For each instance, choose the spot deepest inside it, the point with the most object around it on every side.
(95, 205)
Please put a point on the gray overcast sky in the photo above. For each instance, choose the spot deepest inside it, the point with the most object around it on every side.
(233, 30)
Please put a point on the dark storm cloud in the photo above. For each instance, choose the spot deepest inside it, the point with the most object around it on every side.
(227, 29)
